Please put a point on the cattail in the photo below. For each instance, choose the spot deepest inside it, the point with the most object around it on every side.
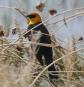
(1, 31)
(40, 6)
(81, 38)
(52, 11)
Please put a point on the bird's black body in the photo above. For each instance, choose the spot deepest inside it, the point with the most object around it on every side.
(42, 50)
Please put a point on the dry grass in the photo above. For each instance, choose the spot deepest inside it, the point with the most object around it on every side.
(19, 68)
(24, 74)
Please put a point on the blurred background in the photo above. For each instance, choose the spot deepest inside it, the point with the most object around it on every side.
(73, 28)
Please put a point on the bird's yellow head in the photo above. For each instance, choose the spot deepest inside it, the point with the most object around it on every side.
(33, 18)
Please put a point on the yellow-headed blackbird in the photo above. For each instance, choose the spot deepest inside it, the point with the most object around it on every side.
(34, 19)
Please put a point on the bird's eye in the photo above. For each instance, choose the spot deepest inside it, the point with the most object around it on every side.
(31, 16)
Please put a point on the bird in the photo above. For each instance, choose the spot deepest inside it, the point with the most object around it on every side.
(32, 20)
